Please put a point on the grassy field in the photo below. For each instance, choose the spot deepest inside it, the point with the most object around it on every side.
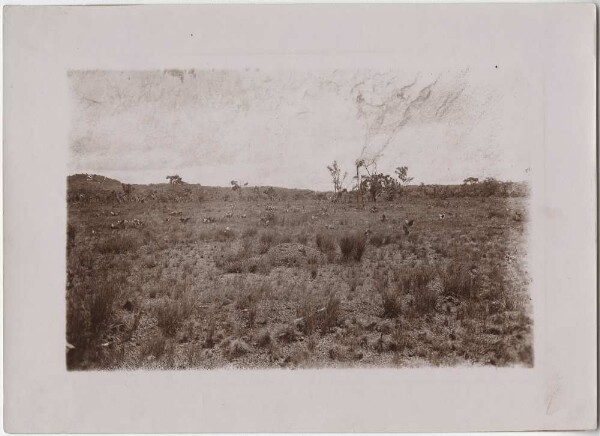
(209, 278)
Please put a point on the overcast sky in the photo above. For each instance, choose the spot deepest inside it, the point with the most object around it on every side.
(282, 128)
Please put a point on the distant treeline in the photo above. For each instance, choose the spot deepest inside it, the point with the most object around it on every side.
(83, 188)
(486, 188)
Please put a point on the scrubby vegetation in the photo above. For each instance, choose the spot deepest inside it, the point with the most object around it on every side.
(185, 276)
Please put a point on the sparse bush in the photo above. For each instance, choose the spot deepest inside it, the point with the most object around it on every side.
(352, 246)
(458, 281)
(439, 270)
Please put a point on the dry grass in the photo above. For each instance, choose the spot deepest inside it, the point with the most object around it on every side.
(209, 294)
(352, 246)
(172, 314)
(459, 282)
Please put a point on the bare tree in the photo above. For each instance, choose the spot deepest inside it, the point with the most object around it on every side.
(402, 173)
(336, 177)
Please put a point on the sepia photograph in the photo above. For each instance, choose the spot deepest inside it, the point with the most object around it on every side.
(297, 219)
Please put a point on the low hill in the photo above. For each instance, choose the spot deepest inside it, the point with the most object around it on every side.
(97, 188)
(85, 188)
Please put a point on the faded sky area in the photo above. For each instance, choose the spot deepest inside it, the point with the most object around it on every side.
(282, 128)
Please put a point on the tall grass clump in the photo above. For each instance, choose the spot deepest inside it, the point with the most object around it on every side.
(172, 314)
(458, 281)
(418, 282)
(90, 307)
(331, 314)
(325, 243)
(315, 316)
(391, 302)
(267, 239)
(425, 295)
(352, 246)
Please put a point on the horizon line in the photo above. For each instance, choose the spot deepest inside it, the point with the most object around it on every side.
(282, 187)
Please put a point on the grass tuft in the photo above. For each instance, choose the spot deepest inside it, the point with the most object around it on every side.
(352, 246)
